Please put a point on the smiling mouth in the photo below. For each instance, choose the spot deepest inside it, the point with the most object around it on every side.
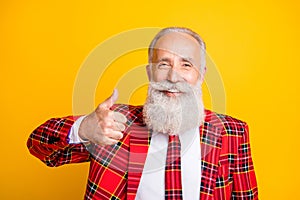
(171, 93)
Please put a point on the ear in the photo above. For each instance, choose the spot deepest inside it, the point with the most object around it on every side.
(149, 72)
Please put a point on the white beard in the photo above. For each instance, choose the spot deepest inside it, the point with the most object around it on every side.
(173, 115)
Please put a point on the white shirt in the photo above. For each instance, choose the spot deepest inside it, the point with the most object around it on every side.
(152, 183)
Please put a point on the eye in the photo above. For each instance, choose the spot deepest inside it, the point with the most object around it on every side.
(163, 65)
(187, 65)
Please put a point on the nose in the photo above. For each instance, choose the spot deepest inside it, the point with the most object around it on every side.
(174, 76)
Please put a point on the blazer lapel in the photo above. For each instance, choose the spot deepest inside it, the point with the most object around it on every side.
(139, 144)
(210, 143)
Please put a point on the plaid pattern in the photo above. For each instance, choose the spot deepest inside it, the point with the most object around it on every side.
(173, 189)
(115, 171)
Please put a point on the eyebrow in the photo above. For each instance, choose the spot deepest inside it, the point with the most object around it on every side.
(164, 60)
(187, 59)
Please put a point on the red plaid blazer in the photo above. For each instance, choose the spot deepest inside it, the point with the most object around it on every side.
(115, 171)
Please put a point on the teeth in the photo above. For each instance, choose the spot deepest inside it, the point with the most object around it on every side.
(173, 90)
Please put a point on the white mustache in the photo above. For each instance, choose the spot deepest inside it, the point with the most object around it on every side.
(182, 87)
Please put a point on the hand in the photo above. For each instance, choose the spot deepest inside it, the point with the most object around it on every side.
(103, 126)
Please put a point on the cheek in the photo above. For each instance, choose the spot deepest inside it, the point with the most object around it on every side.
(192, 78)
(159, 75)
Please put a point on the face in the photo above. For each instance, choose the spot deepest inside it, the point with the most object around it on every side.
(176, 58)
(174, 103)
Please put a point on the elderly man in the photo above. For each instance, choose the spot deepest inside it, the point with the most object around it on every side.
(170, 148)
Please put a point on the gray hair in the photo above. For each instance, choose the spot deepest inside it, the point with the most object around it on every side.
(180, 30)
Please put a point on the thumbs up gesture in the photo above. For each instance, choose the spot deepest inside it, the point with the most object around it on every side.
(103, 126)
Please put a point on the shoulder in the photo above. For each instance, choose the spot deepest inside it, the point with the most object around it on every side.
(225, 123)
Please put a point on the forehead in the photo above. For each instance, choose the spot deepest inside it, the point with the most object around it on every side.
(179, 44)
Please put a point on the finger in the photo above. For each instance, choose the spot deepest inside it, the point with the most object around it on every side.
(109, 102)
(119, 126)
(106, 123)
(107, 141)
(112, 141)
(108, 138)
(116, 135)
(119, 117)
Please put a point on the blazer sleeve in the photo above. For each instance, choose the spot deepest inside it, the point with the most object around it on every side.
(49, 143)
(244, 179)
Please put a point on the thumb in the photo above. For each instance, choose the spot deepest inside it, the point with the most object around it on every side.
(109, 102)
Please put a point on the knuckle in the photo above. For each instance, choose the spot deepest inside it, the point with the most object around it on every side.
(104, 124)
(105, 132)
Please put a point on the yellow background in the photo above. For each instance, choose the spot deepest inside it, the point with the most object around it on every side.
(254, 44)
